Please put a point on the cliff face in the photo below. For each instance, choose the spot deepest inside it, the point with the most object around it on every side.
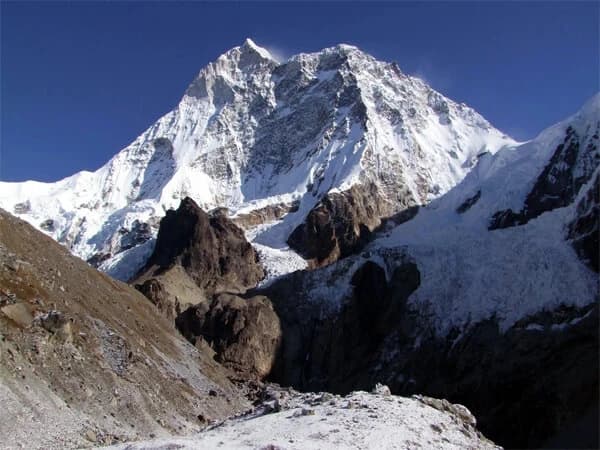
(212, 250)
(198, 262)
(501, 318)
(570, 167)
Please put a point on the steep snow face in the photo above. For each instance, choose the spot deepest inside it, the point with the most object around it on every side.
(250, 131)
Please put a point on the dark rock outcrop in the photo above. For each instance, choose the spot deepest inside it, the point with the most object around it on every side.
(524, 385)
(125, 238)
(22, 208)
(269, 213)
(139, 233)
(155, 291)
(97, 259)
(468, 203)
(336, 352)
(244, 333)
(569, 168)
(47, 225)
(507, 218)
(584, 229)
(212, 250)
(341, 224)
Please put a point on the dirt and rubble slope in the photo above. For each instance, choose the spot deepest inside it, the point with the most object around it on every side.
(87, 360)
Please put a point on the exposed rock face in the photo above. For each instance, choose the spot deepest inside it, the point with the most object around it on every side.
(570, 167)
(212, 250)
(155, 291)
(524, 385)
(266, 214)
(322, 351)
(244, 333)
(125, 238)
(468, 203)
(584, 229)
(139, 233)
(341, 223)
(22, 208)
(47, 225)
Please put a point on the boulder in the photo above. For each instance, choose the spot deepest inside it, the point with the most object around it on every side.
(52, 321)
(19, 313)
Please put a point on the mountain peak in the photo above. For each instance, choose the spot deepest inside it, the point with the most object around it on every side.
(250, 46)
(347, 47)
(226, 67)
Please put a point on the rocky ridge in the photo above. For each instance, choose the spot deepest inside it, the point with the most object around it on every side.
(211, 249)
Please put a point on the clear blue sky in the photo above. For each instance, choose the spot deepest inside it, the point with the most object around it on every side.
(81, 80)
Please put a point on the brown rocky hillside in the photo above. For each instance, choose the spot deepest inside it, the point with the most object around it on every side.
(87, 360)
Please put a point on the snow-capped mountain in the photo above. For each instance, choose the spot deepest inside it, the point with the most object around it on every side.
(251, 131)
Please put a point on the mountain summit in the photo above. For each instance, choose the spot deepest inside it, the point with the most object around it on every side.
(251, 132)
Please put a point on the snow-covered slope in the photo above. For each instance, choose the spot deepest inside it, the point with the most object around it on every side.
(251, 131)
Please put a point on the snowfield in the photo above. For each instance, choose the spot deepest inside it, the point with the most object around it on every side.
(360, 420)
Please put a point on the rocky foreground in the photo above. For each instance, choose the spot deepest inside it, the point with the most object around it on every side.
(86, 360)
(290, 420)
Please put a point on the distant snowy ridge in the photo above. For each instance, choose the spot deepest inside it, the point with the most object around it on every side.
(250, 131)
